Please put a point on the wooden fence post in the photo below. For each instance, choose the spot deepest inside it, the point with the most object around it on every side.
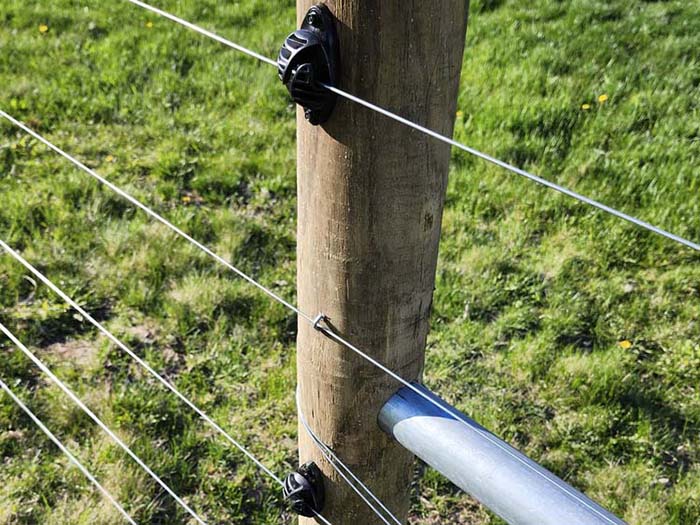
(371, 194)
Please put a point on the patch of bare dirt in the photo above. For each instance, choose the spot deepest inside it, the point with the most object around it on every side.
(145, 333)
(148, 334)
(12, 435)
(77, 351)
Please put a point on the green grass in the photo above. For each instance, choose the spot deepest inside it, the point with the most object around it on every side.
(534, 291)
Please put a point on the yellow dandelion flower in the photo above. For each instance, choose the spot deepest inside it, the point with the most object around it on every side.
(625, 344)
(602, 98)
(109, 158)
(585, 107)
(186, 199)
(460, 114)
(43, 28)
(149, 24)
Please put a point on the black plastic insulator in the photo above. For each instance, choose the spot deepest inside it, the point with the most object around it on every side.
(308, 59)
(304, 491)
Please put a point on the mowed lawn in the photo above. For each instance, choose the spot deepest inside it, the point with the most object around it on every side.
(571, 334)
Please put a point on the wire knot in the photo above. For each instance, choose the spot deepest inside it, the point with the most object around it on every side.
(320, 318)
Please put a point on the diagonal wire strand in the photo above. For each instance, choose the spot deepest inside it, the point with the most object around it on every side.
(145, 365)
(202, 31)
(317, 322)
(434, 134)
(140, 361)
(67, 452)
(344, 471)
(328, 332)
(321, 517)
(99, 422)
(518, 171)
(149, 211)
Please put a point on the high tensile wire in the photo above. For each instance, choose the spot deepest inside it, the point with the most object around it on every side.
(136, 358)
(518, 171)
(116, 189)
(99, 422)
(318, 322)
(145, 365)
(345, 472)
(205, 32)
(67, 452)
(434, 134)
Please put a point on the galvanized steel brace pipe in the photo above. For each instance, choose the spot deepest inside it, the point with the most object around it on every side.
(506, 481)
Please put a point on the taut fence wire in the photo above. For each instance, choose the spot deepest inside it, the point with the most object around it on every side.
(67, 452)
(315, 319)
